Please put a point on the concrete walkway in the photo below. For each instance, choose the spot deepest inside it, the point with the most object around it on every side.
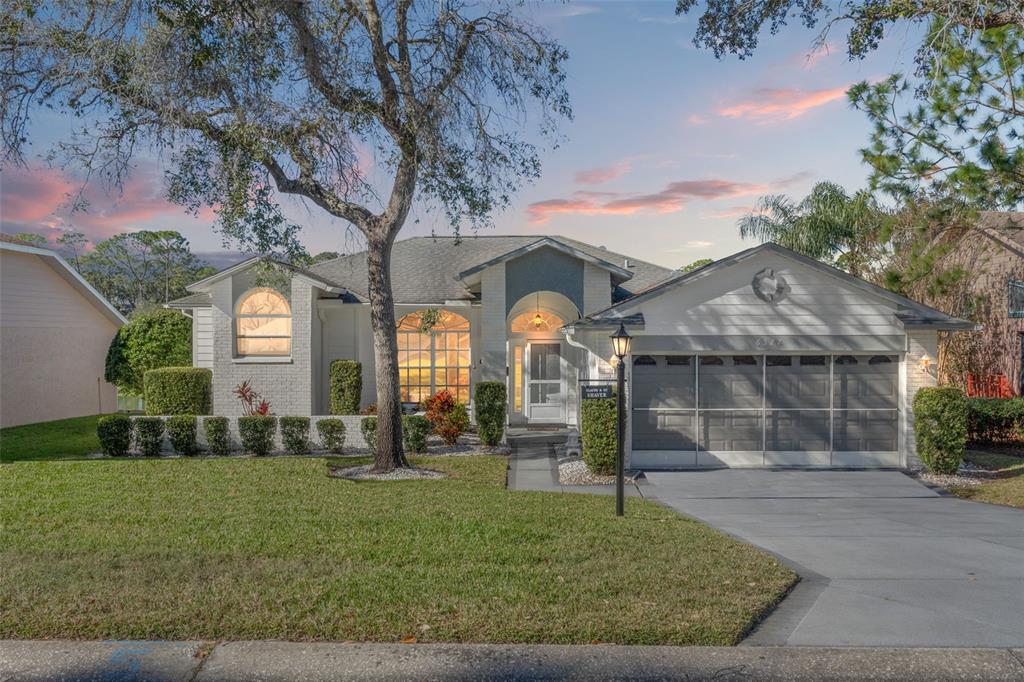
(534, 466)
(27, 661)
(884, 560)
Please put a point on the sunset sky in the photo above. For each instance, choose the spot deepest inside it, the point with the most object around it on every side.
(668, 146)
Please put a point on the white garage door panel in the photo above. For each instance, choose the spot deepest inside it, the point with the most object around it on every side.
(797, 459)
(730, 459)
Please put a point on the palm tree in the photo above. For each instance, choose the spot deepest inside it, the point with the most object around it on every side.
(827, 224)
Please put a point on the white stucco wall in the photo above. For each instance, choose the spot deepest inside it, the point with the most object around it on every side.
(53, 345)
(919, 343)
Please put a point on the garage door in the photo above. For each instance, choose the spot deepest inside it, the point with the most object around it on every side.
(765, 410)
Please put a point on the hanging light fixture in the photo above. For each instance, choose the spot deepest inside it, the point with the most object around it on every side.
(538, 320)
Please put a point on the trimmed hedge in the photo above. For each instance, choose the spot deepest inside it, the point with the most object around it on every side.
(346, 386)
(218, 436)
(415, 429)
(295, 435)
(368, 427)
(181, 430)
(257, 433)
(491, 403)
(179, 390)
(149, 435)
(115, 434)
(332, 435)
(995, 420)
(940, 424)
(598, 435)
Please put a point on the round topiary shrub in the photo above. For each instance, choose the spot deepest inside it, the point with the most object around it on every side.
(179, 390)
(598, 435)
(332, 435)
(181, 431)
(346, 386)
(368, 427)
(940, 424)
(218, 436)
(491, 405)
(149, 435)
(257, 434)
(415, 429)
(295, 435)
(115, 434)
(160, 338)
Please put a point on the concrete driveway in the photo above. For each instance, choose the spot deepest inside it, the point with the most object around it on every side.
(885, 560)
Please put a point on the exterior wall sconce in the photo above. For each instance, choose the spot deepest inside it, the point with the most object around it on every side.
(926, 363)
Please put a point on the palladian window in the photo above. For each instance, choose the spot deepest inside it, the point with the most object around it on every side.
(263, 324)
(433, 357)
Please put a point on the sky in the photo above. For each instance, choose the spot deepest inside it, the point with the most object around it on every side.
(667, 149)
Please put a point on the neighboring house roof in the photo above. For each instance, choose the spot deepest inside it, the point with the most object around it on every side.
(198, 300)
(68, 273)
(425, 269)
(1006, 228)
(910, 312)
(319, 280)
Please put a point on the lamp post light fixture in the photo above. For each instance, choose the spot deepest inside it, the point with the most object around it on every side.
(620, 344)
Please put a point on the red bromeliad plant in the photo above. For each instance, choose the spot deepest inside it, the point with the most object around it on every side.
(253, 404)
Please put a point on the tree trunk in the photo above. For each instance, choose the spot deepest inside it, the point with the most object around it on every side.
(390, 454)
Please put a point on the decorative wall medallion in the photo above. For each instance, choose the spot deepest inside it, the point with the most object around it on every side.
(770, 287)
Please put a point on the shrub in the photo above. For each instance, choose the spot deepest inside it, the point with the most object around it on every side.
(149, 435)
(995, 420)
(115, 434)
(161, 338)
(598, 435)
(252, 401)
(295, 435)
(449, 417)
(940, 424)
(368, 427)
(179, 390)
(346, 386)
(415, 429)
(491, 408)
(332, 435)
(181, 430)
(257, 433)
(218, 436)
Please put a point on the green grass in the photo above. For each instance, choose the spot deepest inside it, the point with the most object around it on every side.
(240, 548)
(1007, 484)
(61, 439)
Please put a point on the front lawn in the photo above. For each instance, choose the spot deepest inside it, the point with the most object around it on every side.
(62, 439)
(1006, 484)
(242, 548)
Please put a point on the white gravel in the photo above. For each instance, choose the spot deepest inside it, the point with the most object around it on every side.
(575, 472)
(968, 476)
(362, 473)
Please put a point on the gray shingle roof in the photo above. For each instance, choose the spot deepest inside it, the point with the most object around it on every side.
(424, 269)
(200, 300)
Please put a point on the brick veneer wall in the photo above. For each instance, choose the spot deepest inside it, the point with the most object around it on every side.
(919, 342)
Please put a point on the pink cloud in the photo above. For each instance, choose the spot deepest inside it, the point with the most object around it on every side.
(669, 200)
(696, 119)
(596, 176)
(782, 104)
(36, 199)
(729, 212)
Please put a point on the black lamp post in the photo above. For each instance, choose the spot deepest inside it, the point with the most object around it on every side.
(620, 344)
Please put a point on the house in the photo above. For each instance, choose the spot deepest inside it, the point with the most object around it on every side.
(54, 333)
(763, 358)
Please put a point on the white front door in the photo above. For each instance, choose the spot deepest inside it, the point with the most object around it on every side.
(545, 384)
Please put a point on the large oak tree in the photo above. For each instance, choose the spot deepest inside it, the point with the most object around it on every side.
(249, 100)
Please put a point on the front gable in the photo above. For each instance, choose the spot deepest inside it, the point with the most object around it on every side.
(767, 300)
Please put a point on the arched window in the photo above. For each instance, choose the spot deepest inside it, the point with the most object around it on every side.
(429, 361)
(263, 324)
(537, 321)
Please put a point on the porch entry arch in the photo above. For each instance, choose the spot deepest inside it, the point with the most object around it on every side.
(433, 355)
(539, 359)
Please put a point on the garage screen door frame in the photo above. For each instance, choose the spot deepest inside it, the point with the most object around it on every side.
(745, 403)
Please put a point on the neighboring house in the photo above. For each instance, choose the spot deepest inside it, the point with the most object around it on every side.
(763, 358)
(54, 333)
